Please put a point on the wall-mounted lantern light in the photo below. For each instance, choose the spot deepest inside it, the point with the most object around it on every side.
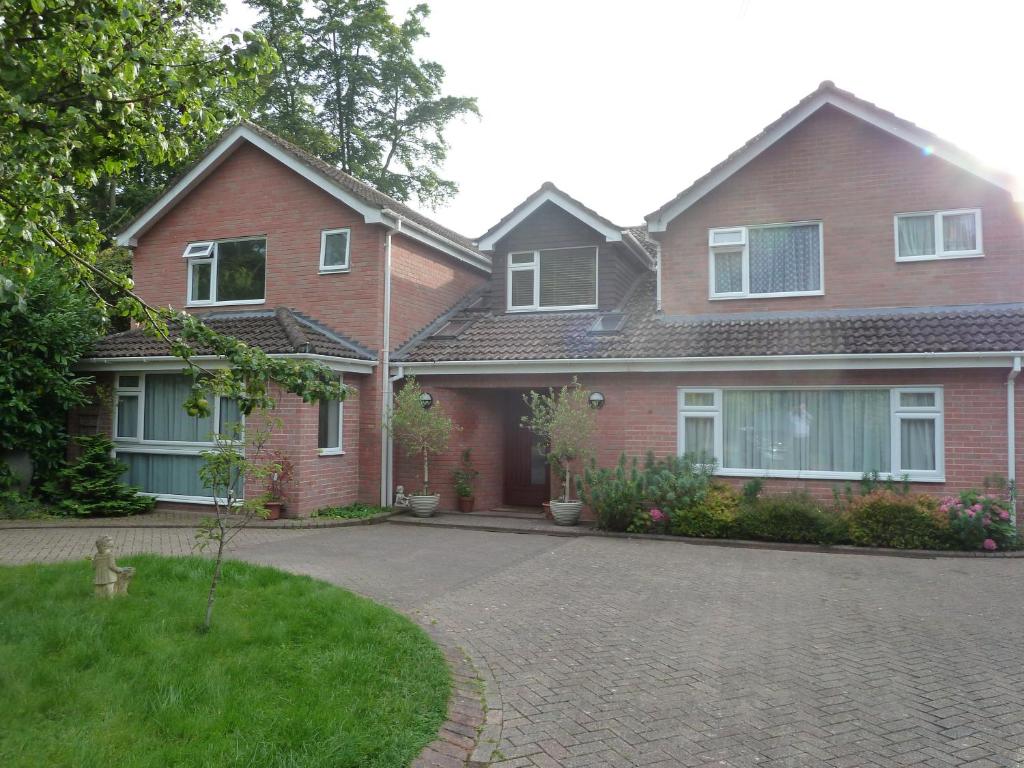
(426, 400)
(596, 400)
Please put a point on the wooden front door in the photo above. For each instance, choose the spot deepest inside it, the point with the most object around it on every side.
(526, 469)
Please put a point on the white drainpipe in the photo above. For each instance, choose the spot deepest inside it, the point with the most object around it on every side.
(657, 306)
(385, 398)
(1011, 435)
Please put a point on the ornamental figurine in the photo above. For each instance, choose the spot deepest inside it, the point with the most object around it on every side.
(109, 579)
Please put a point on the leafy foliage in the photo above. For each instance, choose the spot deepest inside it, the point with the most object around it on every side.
(794, 517)
(91, 486)
(565, 424)
(902, 521)
(714, 516)
(464, 476)
(349, 88)
(357, 511)
(46, 325)
(980, 521)
(615, 496)
(422, 432)
(676, 482)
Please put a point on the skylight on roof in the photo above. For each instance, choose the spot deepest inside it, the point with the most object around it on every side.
(451, 329)
(610, 322)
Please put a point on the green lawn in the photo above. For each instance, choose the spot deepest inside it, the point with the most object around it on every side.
(295, 673)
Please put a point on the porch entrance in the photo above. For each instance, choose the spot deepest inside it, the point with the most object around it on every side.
(527, 474)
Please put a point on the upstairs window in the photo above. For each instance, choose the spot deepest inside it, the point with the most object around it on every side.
(227, 271)
(556, 278)
(334, 248)
(766, 261)
(938, 235)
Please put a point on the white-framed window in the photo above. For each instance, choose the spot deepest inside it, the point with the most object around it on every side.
(159, 442)
(552, 279)
(334, 250)
(227, 271)
(765, 261)
(832, 433)
(931, 235)
(331, 427)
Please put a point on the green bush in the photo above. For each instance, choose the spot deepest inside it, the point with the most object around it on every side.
(674, 482)
(91, 486)
(883, 518)
(979, 521)
(615, 496)
(713, 517)
(793, 517)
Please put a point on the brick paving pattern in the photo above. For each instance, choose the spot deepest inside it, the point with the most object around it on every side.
(613, 652)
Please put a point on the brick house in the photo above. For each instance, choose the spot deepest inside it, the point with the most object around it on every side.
(841, 295)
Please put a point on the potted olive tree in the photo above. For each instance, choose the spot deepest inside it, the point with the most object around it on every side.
(423, 430)
(463, 478)
(564, 422)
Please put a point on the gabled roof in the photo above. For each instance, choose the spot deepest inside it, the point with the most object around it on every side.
(549, 193)
(642, 333)
(826, 94)
(278, 331)
(371, 203)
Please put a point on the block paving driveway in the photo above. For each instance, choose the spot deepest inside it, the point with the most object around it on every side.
(612, 652)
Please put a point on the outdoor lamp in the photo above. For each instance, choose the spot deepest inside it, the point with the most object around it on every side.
(426, 400)
(596, 400)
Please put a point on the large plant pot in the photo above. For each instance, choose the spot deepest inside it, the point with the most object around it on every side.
(566, 512)
(424, 506)
(273, 509)
(466, 503)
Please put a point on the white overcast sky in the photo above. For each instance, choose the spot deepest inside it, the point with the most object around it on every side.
(623, 104)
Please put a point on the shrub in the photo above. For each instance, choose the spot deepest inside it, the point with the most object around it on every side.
(794, 517)
(615, 496)
(713, 516)
(903, 521)
(92, 487)
(979, 521)
(674, 482)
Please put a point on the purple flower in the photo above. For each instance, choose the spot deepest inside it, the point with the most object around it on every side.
(970, 512)
(657, 515)
(1004, 515)
(976, 508)
(989, 544)
(986, 520)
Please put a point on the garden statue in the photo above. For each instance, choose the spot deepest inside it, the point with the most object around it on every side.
(401, 498)
(108, 578)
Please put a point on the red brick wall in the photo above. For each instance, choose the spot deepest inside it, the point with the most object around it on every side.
(640, 414)
(854, 178)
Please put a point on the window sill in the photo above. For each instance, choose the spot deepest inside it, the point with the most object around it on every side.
(333, 270)
(240, 302)
(952, 257)
(789, 474)
(784, 295)
(330, 452)
(582, 308)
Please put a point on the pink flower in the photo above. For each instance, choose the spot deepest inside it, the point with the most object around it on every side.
(989, 544)
(986, 520)
(970, 512)
(657, 515)
(1004, 515)
(976, 508)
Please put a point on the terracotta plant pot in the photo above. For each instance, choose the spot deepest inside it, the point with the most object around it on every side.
(424, 506)
(566, 512)
(273, 510)
(466, 503)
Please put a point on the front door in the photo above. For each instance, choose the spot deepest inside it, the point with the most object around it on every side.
(526, 468)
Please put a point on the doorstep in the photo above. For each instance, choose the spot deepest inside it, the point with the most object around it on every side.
(502, 524)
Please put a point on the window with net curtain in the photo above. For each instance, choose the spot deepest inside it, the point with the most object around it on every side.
(174, 469)
(783, 258)
(329, 424)
(554, 278)
(939, 234)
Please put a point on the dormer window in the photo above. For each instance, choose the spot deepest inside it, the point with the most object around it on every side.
(553, 279)
(227, 271)
(766, 261)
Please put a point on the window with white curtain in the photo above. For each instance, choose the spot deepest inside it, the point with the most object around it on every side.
(159, 441)
(938, 235)
(834, 433)
(227, 271)
(555, 278)
(329, 427)
(765, 261)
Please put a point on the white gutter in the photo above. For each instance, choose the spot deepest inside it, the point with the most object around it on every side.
(385, 380)
(657, 303)
(736, 363)
(462, 253)
(169, 362)
(1011, 436)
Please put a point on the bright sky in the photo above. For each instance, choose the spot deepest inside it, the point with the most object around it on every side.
(624, 104)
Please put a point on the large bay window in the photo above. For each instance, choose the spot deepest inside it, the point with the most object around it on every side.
(838, 433)
(227, 271)
(766, 261)
(938, 235)
(556, 278)
(159, 441)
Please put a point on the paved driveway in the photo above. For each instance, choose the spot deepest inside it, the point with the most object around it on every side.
(612, 652)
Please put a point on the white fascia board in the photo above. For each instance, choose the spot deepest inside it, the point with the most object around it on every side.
(611, 234)
(167, 363)
(421, 234)
(897, 128)
(371, 214)
(695, 364)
